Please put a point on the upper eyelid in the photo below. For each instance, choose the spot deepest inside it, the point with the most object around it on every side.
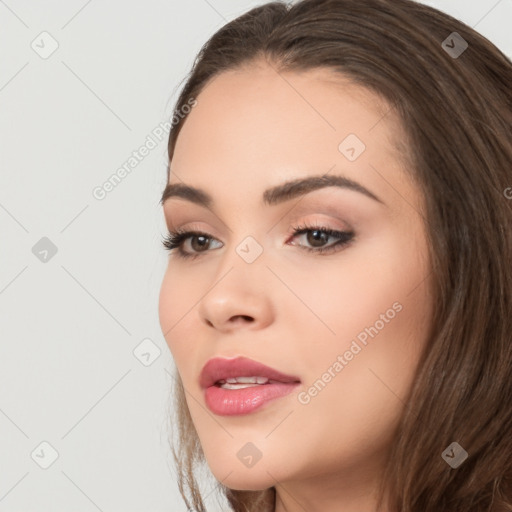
(332, 220)
(304, 206)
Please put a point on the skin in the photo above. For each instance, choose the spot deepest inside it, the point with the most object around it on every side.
(253, 129)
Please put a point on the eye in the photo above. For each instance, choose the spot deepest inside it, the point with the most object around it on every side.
(176, 239)
(316, 237)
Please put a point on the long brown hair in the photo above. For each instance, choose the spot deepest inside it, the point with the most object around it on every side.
(456, 109)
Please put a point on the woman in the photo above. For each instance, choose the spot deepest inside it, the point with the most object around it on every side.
(339, 291)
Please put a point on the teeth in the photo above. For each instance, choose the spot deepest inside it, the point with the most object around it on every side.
(243, 382)
(237, 386)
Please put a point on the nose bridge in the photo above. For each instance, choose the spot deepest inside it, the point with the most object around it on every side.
(250, 249)
(244, 260)
(240, 288)
(246, 238)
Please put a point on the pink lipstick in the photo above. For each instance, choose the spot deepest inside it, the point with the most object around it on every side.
(240, 386)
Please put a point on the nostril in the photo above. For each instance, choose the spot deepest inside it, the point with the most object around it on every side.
(243, 317)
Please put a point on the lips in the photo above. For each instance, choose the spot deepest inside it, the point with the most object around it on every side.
(228, 399)
(218, 369)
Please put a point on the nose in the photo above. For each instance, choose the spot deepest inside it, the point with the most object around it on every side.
(241, 298)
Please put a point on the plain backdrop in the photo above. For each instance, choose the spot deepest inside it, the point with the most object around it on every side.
(85, 372)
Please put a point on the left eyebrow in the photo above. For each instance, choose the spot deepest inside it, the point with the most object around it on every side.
(275, 195)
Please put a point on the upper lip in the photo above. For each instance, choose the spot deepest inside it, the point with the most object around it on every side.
(220, 368)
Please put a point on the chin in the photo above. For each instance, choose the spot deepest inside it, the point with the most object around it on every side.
(246, 480)
(235, 475)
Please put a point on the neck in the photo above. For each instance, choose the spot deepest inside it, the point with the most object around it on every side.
(337, 493)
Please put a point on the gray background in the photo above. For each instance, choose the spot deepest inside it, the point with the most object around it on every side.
(72, 371)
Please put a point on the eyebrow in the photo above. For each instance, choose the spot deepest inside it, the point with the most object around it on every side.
(272, 196)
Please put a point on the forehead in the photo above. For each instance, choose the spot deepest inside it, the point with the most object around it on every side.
(264, 95)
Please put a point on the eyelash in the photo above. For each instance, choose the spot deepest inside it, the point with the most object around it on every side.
(175, 239)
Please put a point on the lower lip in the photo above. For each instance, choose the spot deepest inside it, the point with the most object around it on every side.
(232, 402)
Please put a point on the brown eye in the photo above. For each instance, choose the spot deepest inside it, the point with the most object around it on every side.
(317, 237)
(200, 242)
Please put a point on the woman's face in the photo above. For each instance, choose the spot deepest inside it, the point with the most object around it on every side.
(347, 325)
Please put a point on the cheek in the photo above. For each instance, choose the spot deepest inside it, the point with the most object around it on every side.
(166, 302)
(377, 303)
(173, 297)
(179, 297)
(380, 282)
